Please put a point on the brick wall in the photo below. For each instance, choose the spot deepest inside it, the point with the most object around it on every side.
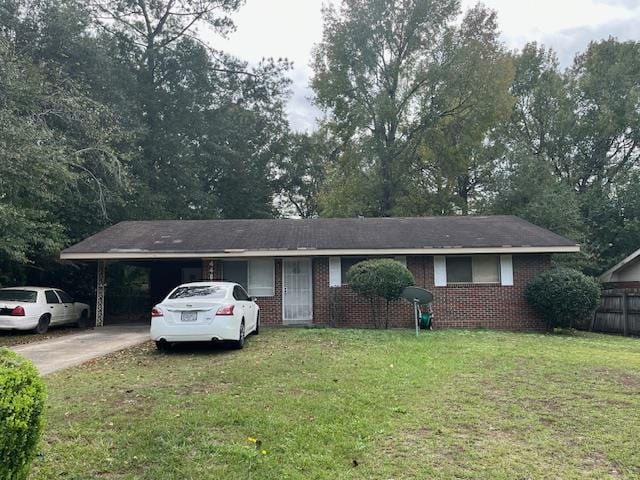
(454, 306)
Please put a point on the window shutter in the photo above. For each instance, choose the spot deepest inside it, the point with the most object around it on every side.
(261, 278)
(402, 259)
(440, 271)
(335, 274)
(506, 270)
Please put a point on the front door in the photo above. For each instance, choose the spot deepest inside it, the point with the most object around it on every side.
(297, 294)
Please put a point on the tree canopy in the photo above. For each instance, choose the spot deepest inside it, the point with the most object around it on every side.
(114, 110)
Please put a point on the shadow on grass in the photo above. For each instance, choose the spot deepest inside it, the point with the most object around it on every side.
(201, 348)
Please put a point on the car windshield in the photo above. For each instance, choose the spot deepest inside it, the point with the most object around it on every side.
(202, 291)
(28, 296)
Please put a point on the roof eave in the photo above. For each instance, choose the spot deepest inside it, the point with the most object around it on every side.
(606, 276)
(147, 255)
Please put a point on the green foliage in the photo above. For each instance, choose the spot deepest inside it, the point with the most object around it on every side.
(563, 296)
(415, 116)
(384, 278)
(119, 110)
(22, 402)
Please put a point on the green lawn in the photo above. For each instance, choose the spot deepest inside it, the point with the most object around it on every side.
(346, 404)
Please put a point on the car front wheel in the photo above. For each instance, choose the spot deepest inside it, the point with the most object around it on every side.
(257, 329)
(43, 324)
(83, 321)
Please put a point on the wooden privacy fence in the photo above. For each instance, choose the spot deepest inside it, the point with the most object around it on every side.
(619, 312)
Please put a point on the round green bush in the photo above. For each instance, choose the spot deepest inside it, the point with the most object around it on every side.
(383, 278)
(22, 401)
(563, 296)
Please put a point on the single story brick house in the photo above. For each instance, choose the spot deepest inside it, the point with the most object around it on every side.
(476, 266)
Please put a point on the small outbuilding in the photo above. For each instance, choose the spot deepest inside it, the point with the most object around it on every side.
(476, 266)
(625, 274)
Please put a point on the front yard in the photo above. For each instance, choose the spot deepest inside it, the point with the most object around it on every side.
(343, 404)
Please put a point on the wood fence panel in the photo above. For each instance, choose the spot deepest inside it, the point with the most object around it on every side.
(619, 312)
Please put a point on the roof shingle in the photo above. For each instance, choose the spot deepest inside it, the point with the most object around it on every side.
(211, 236)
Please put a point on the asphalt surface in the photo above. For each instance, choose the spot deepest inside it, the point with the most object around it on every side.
(59, 353)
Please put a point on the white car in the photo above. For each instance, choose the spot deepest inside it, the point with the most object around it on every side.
(36, 308)
(205, 311)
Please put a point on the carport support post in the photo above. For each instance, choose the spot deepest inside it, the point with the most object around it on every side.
(100, 288)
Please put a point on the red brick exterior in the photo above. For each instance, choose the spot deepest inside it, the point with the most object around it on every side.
(455, 306)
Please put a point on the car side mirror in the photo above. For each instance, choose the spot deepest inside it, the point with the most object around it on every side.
(254, 299)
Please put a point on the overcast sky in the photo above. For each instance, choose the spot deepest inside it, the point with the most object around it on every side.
(289, 28)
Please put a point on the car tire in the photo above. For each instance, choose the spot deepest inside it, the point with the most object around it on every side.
(257, 329)
(43, 324)
(163, 346)
(239, 344)
(83, 321)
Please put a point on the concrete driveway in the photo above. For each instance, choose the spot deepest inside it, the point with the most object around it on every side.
(64, 352)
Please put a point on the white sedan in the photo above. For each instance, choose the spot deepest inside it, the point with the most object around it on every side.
(205, 311)
(36, 308)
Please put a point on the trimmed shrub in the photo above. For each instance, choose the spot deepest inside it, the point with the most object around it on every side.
(384, 278)
(563, 296)
(22, 401)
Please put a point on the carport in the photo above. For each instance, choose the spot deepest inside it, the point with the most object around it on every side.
(163, 275)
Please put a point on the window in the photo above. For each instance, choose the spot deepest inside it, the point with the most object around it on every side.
(64, 297)
(346, 263)
(209, 292)
(459, 270)
(240, 294)
(51, 296)
(235, 271)
(261, 278)
(256, 276)
(477, 269)
(28, 296)
(191, 274)
(486, 269)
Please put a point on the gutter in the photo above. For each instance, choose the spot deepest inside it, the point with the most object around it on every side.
(309, 252)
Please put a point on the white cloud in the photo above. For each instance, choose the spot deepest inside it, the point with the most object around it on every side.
(290, 28)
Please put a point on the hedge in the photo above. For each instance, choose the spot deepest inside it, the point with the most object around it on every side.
(22, 402)
(384, 278)
(563, 296)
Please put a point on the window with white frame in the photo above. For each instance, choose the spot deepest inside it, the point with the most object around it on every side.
(339, 266)
(257, 276)
(474, 269)
(346, 263)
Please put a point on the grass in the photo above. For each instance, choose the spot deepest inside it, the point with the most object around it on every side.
(346, 404)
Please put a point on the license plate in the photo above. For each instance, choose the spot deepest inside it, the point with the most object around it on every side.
(189, 316)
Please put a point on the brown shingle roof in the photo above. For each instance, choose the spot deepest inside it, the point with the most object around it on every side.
(218, 236)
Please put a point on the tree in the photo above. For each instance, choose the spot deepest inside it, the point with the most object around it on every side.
(108, 141)
(382, 278)
(394, 76)
(567, 153)
(301, 173)
(203, 112)
(53, 148)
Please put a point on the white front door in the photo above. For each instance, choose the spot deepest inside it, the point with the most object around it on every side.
(297, 294)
